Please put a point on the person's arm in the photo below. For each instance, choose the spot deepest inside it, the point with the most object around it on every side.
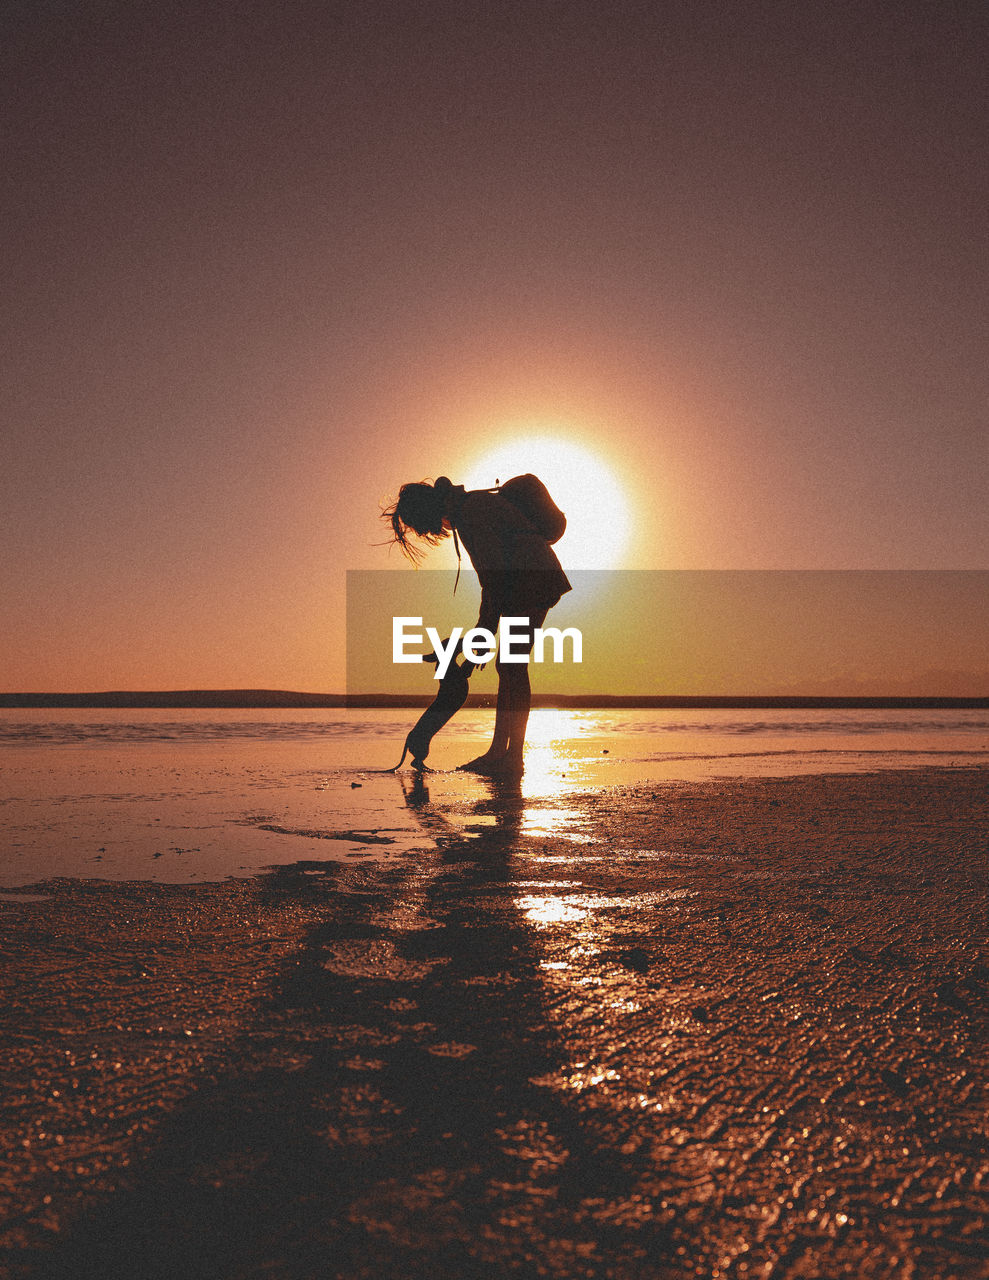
(488, 616)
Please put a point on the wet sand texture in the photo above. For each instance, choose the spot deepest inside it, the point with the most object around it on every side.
(739, 1030)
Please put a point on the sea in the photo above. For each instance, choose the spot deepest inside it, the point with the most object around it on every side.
(204, 794)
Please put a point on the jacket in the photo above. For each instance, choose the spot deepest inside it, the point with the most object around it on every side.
(518, 570)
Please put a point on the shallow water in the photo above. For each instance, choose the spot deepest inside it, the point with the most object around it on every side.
(193, 795)
(901, 729)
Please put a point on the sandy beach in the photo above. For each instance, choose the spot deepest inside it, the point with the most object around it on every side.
(726, 1027)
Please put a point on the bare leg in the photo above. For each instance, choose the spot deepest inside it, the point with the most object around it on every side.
(503, 714)
(492, 759)
(520, 701)
(504, 756)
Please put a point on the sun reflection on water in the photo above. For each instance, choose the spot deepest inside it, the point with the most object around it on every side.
(551, 910)
(545, 821)
(543, 911)
(551, 774)
(548, 725)
(549, 753)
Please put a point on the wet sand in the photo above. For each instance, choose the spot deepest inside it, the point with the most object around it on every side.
(731, 1027)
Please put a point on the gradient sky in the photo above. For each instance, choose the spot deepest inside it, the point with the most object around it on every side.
(262, 263)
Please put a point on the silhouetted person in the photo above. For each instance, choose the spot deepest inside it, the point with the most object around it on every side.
(519, 574)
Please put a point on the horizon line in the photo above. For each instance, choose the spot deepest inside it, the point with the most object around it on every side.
(287, 699)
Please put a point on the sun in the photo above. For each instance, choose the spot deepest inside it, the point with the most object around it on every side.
(582, 486)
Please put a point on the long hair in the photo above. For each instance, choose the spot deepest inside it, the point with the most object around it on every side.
(418, 511)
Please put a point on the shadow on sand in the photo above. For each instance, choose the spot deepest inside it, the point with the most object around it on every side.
(382, 1117)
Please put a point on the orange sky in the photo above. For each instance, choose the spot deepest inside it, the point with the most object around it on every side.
(259, 274)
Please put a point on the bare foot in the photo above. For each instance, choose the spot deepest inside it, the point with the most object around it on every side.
(511, 767)
(487, 764)
(507, 767)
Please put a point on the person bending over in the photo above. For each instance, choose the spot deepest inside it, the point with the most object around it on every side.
(520, 577)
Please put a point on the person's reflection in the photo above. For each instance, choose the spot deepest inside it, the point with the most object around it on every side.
(485, 840)
(416, 795)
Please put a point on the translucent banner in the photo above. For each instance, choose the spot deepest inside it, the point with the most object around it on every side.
(708, 633)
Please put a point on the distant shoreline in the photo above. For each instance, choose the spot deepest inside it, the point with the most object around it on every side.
(283, 699)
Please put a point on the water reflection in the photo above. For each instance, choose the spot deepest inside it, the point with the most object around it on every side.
(554, 909)
(559, 821)
(550, 910)
(549, 725)
(552, 772)
(493, 810)
(591, 941)
(550, 757)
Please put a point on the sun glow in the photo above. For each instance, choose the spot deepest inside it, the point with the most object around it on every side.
(582, 486)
